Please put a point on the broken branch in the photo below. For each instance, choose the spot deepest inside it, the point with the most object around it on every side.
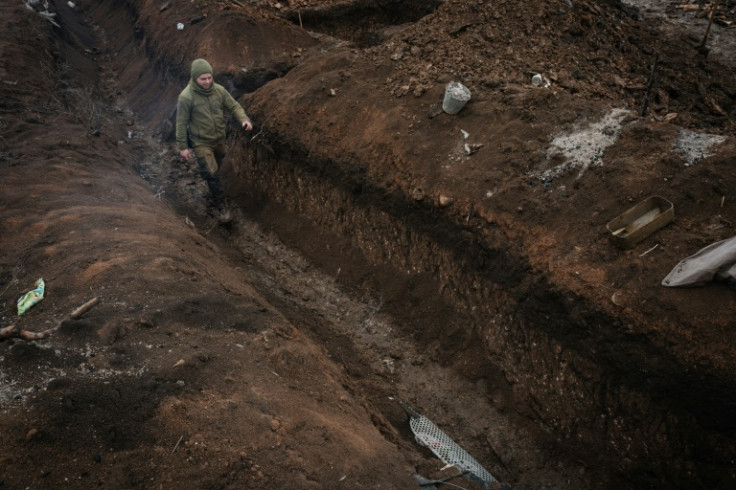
(9, 331)
(650, 84)
(14, 331)
(84, 308)
(713, 9)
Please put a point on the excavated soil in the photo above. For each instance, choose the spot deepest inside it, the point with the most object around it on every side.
(383, 250)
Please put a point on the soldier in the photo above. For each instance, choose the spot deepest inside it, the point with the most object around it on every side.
(200, 119)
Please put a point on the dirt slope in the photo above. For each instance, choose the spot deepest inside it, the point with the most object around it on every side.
(183, 376)
(481, 286)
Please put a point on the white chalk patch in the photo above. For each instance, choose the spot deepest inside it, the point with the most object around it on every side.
(696, 146)
(585, 147)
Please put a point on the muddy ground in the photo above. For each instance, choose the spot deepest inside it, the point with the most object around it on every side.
(382, 250)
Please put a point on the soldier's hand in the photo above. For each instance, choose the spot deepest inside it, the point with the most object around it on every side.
(247, 125)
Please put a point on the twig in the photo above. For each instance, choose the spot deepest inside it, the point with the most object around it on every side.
(713, 9)
(256, 135)
(84, 308)
(14, 331)
(642, 255)
(650, 84)
(9, 331)
(177, 444)
(299, 13)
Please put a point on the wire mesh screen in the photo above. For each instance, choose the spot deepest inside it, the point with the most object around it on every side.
(428, 434)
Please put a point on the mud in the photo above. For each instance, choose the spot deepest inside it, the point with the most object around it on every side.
(373, 257)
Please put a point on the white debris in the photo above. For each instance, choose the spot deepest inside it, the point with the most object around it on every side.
(35, 6)
(539, 80)
(585, 147)
(695, 146)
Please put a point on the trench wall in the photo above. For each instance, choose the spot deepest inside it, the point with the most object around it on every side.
(571, 366)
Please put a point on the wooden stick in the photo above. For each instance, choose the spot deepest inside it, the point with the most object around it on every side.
(14, 331)
(650, 84)
(9, 331)
(713, 9)
(642, 255)
(84, 308)
(27, 335)
(177, 444)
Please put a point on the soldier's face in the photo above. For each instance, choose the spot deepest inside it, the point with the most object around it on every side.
(204, 80)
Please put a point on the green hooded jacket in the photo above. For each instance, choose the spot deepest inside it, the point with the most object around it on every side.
(200, 113)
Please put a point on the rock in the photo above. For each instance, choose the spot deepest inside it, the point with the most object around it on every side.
(145, 323)
(31, 434)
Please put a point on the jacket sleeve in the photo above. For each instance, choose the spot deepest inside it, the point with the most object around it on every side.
(234, 107)
(183, 113)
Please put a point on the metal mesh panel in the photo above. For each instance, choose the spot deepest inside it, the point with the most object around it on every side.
(428, 434)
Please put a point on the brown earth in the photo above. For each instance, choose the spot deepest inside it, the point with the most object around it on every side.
(373, 257)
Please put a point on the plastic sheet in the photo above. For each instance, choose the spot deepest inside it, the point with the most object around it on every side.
(714, 262)
(31, 297)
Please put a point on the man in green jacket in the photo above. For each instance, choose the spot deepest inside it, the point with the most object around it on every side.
(200, 119)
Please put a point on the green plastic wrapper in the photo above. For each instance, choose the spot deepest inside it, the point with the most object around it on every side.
(31, 297)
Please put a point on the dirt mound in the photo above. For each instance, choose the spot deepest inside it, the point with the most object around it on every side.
(183, 375)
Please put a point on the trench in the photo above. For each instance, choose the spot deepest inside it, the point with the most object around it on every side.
(364, 23)
(570, 367)
(475, 308)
